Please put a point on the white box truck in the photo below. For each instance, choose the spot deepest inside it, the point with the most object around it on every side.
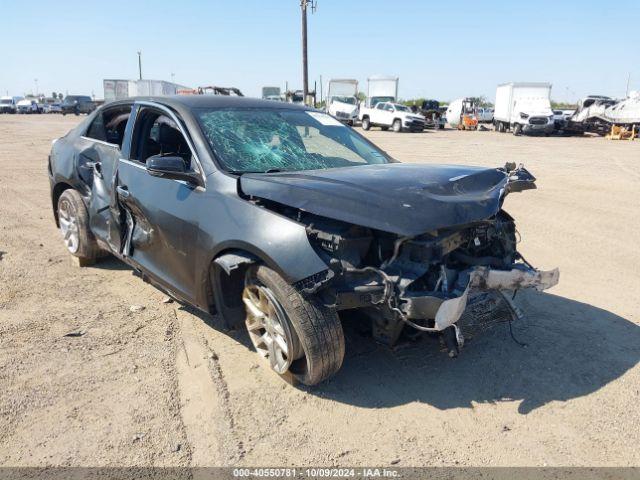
(115, 89)
(381, 89)
(524, 107)
(342, 100)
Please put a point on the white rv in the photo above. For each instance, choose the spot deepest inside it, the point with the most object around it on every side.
(524, 107)
(342, 100)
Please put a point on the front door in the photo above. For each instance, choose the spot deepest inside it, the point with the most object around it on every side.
(161, 224)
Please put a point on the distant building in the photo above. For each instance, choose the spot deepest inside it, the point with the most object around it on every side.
(118, 89)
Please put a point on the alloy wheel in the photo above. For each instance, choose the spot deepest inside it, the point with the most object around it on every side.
(68, 220)
(265, 321)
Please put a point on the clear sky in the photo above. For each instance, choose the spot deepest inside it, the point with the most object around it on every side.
(440, 49)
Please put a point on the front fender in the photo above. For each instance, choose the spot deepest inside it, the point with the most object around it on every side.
(229, 222)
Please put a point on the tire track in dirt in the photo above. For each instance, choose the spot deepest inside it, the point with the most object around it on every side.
(204, 399)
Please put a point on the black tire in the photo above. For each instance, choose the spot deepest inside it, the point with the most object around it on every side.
(397, 125)
(87, 248)
(384, 129)
(366, 123)
(318, 329)
(517, 129)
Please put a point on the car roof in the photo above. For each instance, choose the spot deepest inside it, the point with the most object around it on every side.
(217, 101)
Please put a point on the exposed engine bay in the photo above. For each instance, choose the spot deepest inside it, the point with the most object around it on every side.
(424, 281)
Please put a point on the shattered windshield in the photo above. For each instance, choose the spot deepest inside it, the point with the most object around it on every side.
(263, 140)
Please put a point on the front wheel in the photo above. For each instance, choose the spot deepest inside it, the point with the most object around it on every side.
(366, 123)
(296, 335)
(397, 126)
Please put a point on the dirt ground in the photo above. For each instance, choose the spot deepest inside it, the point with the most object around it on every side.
(85, 379)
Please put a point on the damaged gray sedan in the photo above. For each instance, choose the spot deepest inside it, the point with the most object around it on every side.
(280, 218)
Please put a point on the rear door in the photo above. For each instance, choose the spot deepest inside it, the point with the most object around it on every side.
(99, 152)
(161, 215)
(377, 115)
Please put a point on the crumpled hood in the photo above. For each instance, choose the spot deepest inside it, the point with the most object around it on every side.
(405, 199)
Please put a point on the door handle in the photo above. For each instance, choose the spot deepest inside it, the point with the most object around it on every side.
(123, 191)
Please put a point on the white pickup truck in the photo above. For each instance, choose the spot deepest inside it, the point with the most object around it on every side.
(391, 115)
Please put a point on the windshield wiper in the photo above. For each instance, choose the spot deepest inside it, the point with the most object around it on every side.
(271, 170)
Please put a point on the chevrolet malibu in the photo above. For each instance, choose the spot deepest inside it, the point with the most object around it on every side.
(281, 219)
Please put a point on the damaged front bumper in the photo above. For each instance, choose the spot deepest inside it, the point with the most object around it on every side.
(446, 311)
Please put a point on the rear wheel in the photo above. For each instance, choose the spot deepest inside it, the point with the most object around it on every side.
(298, 336)
(517, 129)
(74, 226)
(366, 124)
(397, 125)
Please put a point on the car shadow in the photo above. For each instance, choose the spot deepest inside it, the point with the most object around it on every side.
(109, 262)
(573, 349)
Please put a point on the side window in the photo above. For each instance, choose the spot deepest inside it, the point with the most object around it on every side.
(96, 129)
(380, 106)
(115, 124)
(109, 125)
(157, 134)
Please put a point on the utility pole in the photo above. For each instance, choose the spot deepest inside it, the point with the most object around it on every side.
(36, 81)
(305, 70)
(628, 80)
(320, 88)
(140, 64)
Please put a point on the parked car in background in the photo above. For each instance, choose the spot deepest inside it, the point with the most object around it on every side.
(29, 105)
(77, 104)
(391, 115)
(560, 119)
(430, 110)
(443, 115)
(485, 114)
(51, 105)
(9, 104)
(294, 219)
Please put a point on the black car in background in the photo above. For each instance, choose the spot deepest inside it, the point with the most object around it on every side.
(282, 220)
(77, 104)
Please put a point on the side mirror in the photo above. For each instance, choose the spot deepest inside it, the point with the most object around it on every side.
(171, 168)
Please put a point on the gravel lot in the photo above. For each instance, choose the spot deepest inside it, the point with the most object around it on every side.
(165, 386)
